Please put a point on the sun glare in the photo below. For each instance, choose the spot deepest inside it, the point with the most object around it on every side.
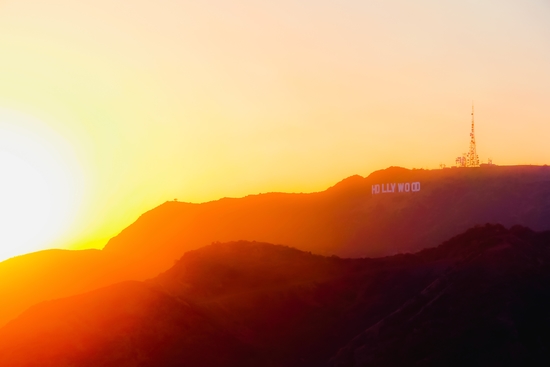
(39, 193)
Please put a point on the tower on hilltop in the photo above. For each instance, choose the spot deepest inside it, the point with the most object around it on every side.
(471, 158)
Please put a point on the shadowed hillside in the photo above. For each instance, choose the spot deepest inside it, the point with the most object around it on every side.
(489, 309)
(478, 299)
(346, 220)
(271, 305)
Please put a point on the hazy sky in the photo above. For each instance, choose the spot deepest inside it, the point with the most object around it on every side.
(109, 108)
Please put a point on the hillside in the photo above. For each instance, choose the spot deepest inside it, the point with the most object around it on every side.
(270, 305)
(346, 220)
(489, 309)
(479, 299)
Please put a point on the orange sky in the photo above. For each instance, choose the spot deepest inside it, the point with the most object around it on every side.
(109, 108)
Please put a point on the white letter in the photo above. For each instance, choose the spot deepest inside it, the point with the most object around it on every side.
(407, 187)
(400, 187)
(392, 187)
(415, 186)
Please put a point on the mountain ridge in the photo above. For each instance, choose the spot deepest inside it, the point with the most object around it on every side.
(273, 305)
(345, 220)
(481, 294)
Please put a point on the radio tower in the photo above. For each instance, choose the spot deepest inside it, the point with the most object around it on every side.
(472, 160)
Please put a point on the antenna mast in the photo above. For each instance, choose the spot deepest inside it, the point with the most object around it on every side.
(472, 160)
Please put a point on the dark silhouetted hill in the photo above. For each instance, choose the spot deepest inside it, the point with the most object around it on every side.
(488, 309)
(345, 220)
(480, 298)
(263, 305)
(127, 324)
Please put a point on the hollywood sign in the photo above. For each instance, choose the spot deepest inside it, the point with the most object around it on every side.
(391, 187)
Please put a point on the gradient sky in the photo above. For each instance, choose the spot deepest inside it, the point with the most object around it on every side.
(109, 108)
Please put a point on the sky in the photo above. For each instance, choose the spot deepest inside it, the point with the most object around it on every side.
(110, 108)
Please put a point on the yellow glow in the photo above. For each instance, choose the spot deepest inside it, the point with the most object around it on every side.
(39, 191)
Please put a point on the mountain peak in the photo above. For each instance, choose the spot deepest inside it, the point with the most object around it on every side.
(348, 183)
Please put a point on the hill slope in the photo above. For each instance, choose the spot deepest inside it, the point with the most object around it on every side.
(346, 220)
(489, 309)
(480, 299)
(261, 304)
